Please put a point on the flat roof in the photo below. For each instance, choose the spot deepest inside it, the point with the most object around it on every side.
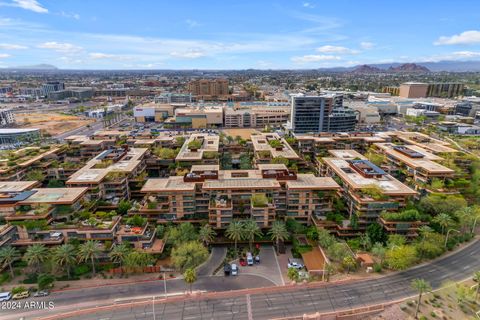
(173, 183)
(241, 183)
(260, 143)
(13, 131)
(346, 154)
(15, 186)
(205, 167)
(426, 163)
(55, 196)
(210, 143)
(311, 182)
(387, 183)
(90, 174)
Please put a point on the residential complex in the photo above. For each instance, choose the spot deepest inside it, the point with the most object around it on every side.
(206, 89)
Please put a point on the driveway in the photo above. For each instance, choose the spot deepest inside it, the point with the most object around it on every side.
(268, 267)
(216, 258)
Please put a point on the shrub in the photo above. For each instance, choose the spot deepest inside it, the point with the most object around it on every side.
(81, 270)
(4, 277)
(16, 290)
(31, 278)
(45, 281)
(377, 267)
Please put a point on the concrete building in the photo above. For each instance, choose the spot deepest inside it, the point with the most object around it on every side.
(367, 190)
(167, 98)
(13, 136)
(52, 86)
(256, 116)
(265, 194)
(445, 90)
(6, 117)
(413, 90)
(198, 117)
(206, 89)
(324, 113)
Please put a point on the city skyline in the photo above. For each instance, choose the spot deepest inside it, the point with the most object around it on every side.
(217, 35)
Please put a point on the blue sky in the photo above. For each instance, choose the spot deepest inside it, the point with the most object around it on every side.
(178, 34)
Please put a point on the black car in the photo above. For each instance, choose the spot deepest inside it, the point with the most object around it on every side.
(227, 269)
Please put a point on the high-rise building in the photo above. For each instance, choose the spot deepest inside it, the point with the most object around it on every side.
(324, 113)
(6, 117)
(52, 86)
(205, 89)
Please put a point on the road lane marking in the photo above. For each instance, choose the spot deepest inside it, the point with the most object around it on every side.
(249, 307)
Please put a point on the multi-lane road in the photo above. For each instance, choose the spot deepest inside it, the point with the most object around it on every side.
(268, 304)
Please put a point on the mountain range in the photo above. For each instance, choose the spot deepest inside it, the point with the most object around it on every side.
(447, 65)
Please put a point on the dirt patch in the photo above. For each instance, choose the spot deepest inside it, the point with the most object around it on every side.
(52, 123)
(244, 133)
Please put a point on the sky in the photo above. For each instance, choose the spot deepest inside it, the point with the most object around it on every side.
(235, 34)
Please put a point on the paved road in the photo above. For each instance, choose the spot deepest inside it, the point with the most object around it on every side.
(216, 258)
(457, 266)
(77, 299)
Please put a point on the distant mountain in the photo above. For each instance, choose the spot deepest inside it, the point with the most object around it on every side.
(408, 67)
(42, 66)
(367, 69)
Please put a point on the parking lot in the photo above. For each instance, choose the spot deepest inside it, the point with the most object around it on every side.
(268, 268)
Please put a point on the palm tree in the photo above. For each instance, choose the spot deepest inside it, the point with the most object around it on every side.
(329, 270)
(89, 251)
(424, 231)
(476, 277)
(235, 232)
(206, 234)
(190, 276)
(251, 229)
(278, 232)
(119, 253)
(64, 256)
(35, 255)
(465, 217)
(7, 256)
(422, 287)
(230, 139)
(444, 220)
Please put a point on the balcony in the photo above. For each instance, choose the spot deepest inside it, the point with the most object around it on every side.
(220, 203)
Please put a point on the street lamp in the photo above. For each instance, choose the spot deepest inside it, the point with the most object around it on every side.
(448, 232)
(153, 306)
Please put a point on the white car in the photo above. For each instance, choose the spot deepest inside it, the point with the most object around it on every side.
(234, 270)
(295, 265)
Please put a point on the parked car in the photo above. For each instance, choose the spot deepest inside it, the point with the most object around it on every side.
(5, 296)
(249, 259)
(227, 269)
(21, 295)
(41, 293)
(243, 263)
(295, 263)
(234, 271)
(257, 259)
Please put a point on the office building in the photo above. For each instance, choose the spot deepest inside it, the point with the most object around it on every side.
(413, 90)
(51, 87)
(324, 113)
(206, 89)
(166, 98)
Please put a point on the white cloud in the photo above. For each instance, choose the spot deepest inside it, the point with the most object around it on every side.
(99, 55)
(189, 54)
(75, 16)
(467, 37)
(192, 23)
(308, 5)
(4, 55)
(31, 5)
(466, 54)
(314, 58)
(336, 49)
(8, 46)
(367, 45)
(60, 47)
